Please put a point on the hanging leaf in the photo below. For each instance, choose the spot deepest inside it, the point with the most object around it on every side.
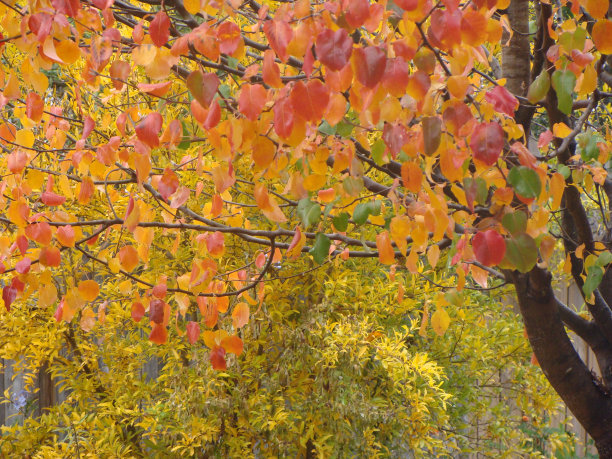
(563, 81)
(309, 212)
(525, 181)
(334, 49)
(489, 247)
(202, 86)
(440, 321)
(320, 250)
(521, 252)
(539, 88)
(159, 29)
(502, 100)
(487, 142)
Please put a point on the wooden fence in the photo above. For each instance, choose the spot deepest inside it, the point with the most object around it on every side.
(16, 401)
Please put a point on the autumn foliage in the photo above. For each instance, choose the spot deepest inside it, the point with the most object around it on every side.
(164, 164)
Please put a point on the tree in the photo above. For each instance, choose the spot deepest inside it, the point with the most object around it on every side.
(177, 156)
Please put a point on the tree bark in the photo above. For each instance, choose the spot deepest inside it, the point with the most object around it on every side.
(587, 397)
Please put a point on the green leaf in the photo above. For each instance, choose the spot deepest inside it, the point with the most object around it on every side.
(539, 88)
(587, 145)
(525, 181)
(604, 259)
(378, 149)
(326, 128)
(564, 171)
(564, 81)
(341, 221)
(521, 252)
(515, 222)
(364, 209)
(592, 281)
(352, 185)
(321, 247)
(344, 129)
(309, 212)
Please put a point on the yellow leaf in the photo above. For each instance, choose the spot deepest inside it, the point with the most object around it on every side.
(561, 130)
(424, 321)
(440, 321)
(433, 255)
(400, 229)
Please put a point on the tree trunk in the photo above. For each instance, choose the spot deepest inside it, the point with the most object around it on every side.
(587, 398)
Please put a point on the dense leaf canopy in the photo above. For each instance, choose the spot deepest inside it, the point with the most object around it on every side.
(177, 171)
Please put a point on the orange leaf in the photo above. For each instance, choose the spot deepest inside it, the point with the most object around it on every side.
(240, 315)
(252, 100)
(128, 257)
(65, 236)
(602, 36)
(39, 232)
(386, 255)
(233, 344)
(159, 334)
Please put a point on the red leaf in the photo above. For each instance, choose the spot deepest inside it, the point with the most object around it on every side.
(489, 247)
(68, 7)
(40, 24)
(155, 89)
(17, 161)
(487, 142)
(34, 107)
(252, 100)
(88, 125)
(148, 129)
(357, 12)
(168, 183)
(228, 34)
(334, 49)
(52, 199)
(396, 76)
(160, 29)
(370, 65)
(193, 332)
(215, 243)
(545, 139)
(271, 71)
(456, 115)
(156, 311)
(283, 117)
(203, 86)
(407, 5)
(50, 256)
(8, 295)
(445, 29)
(395, 136)
(502, 100)
(279, 33)
(39, 232)
(23, 265)
(159, 334)
(311, 98)
(22, 244)
(217, 358)
(59, 311)
(138, 311)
